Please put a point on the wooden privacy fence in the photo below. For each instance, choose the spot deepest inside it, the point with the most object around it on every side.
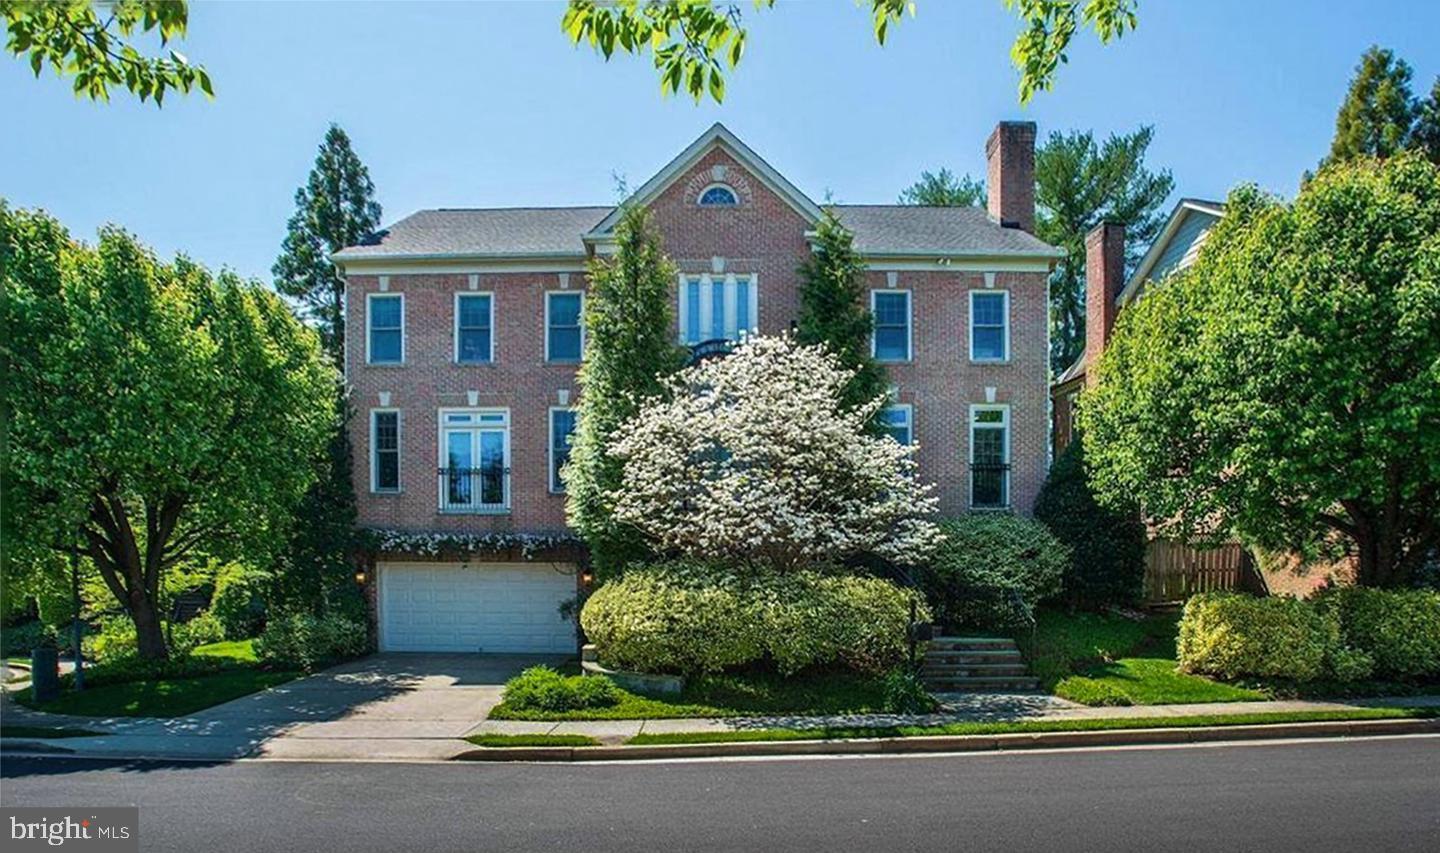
(1175, 571)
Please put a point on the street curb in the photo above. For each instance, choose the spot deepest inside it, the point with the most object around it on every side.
(957, 743)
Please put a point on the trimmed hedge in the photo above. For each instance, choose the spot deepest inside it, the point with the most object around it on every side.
(690, 618)
(984, 558)
(1233, 635)
(1398, 629)
(310, 642)
(541, 688)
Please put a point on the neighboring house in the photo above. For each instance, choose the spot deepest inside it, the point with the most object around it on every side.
(1108, 291)
(468, 336)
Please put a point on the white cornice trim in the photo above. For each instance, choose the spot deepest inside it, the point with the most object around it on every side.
(1182, 211)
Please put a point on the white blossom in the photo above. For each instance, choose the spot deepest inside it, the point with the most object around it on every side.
(750, 457)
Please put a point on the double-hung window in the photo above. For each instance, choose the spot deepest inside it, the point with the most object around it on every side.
(562, 427)
(384, 450)
(989, 457)
(897, 421)
(717, 307)
(474, 328)
(891, 309)
(989, 325)
(562, 326)
(474, 460)
(385, 324)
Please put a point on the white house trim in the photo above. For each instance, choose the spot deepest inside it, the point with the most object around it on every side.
(371, 297)
(550, 447)
(455, 326)
(970, 310)
(546, 331)
(1178, 216)
(442, 455)
(909, 326)
(399, 452)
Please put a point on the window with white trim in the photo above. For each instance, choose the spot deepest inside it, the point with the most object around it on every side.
(718, 195)
(562, 428)
(718, 307)
(385, 328)
(989, 457)
(563, 335)
(474, 460)
(474, 328)
(384, 450)
(989, 325)
(898, 421)
(891, 310)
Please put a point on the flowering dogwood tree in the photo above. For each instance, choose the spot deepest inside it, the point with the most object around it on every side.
(752, 458)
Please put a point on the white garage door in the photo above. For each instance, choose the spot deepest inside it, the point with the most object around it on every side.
(480, 607)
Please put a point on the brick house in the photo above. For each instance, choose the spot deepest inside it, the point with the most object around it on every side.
(466, 342)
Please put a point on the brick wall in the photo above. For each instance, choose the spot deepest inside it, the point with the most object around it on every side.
(763, 237)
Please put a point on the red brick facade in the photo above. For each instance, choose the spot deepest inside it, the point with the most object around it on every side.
(763, 237)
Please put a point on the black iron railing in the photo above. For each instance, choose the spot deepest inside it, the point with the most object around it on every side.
(475, 489)
(989, 485)
(713, 348)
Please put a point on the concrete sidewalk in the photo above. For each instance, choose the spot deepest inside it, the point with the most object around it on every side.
(236, 734)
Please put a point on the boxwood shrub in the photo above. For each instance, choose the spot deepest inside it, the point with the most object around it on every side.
(985, 557)
(692, 618)
(1233, 635)
(311, 642)
(1399, 630)
(541, 688)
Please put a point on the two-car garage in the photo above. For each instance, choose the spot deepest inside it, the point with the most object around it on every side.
(475, 607)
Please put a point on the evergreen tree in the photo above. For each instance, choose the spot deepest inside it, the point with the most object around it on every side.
(336, 208)
(944, 189)
(1425, 136)
(1378, 111)
(629, 345)
(1079, 184)
(833, 309)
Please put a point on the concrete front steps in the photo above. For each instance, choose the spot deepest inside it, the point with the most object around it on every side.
(972, 664)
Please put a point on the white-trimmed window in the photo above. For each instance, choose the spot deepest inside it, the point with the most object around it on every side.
(564, 336)
(891, 310)
(384, 450)
(474, 328)
(989, 325)
(898, 420)
(989, 456)
(718, 307)
(474, 460)
(562, 428)
(385, 328)
(718, 195)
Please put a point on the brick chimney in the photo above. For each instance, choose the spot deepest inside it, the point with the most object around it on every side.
(1010, 174)
(1104, 277)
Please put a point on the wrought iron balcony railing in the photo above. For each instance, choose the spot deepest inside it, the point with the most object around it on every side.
(989, 485)
(475, 489)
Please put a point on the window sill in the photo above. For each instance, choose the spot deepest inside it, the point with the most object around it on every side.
(385, 364)
(1005, 508)
(498, 511)
(386, 493)
(563, 362)
(490, 363)
(989, 361)
(879, 360)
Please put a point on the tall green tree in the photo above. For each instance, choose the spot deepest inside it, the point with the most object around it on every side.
(833, 310)
(1285, 386)
(1378, 111)
(92, 42)
(944, 189)
(1078, 184)
(695, 44)
(157, 413)
(1425, 135)
(629, 347)
(335, 208)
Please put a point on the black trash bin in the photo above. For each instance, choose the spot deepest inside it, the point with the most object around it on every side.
(44, 673)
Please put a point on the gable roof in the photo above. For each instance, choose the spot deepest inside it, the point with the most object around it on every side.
(517, 232)
(718, 136)
(1185, 210)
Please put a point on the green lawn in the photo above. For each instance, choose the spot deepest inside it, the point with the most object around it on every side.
(163, 697)
(44, 732)
(1033, 726)
(495, 740)
(733, 695)
(1108, 659)
(240, 651)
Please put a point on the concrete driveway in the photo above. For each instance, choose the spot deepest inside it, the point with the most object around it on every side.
(383, 706)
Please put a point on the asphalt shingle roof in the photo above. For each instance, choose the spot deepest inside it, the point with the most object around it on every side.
(508, 231)
(557, 231)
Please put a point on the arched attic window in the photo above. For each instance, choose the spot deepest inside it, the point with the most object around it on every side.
(718, 195)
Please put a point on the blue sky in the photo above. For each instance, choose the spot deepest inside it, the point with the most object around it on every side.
(481, 104)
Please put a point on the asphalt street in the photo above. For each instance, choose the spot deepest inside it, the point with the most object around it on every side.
(1370, 795)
